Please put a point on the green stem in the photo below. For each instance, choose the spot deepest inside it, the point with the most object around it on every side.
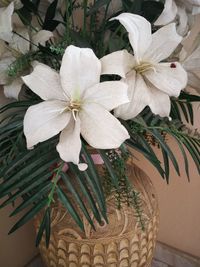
(67, 22)
(21, 36)
(54, 182)
(85, 3)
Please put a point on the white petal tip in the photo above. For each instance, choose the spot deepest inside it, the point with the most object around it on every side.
(82, 166)
(170, 119)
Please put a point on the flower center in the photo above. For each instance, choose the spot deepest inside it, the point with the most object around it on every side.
(75, 105)
(143, 67)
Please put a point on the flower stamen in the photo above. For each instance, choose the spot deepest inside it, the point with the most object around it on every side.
(143, 67)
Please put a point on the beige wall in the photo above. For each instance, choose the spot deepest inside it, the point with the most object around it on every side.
(16, 249)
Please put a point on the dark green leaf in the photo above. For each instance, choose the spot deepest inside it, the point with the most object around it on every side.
(163, 144)
(110, 169)
(97, 5)
(42, 228)
(77, 197)
(151, 10)
(29, 215)
(44, 189)
(48, 227)
(86, 192)
(50, 14)
(68, 205)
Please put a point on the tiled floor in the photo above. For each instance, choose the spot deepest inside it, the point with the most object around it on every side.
(164, 257)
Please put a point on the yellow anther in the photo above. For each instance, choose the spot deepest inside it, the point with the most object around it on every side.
(143, 67)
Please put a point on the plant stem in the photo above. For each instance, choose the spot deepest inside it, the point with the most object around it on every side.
(67, 22)
(54, 182)
(85, 3)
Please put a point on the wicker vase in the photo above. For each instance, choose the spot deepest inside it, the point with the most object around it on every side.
(121, 243)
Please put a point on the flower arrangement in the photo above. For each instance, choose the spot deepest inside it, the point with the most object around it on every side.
(86, 81)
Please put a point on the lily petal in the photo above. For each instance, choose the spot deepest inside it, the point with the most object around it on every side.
(18, 43)
(168, 14)
(6, 22)
(139, 30)
(107, 94)
(119, 63)
(13, 89)
(138, 94)
(41, 37)
(45, 82)
(45, 120)
(192, 62)
(182, 27)
(80, 69)
(159, 102)
(170, 78)
(69, 145)
(164, 42)
(100, 128)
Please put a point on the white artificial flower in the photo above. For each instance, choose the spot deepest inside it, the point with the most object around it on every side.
(151, 82)
(6, 22)
(17, 3)
(75, 102)
(179, 11)
(191, 63)
(21, 43)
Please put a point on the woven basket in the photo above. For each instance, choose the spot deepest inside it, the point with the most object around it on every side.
(121, 243)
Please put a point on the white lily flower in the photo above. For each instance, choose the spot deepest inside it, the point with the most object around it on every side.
(179, 11)
(191, 63)
(75, 102)
(6, 22)
(151, 82)
(17, 3)
(21, 43)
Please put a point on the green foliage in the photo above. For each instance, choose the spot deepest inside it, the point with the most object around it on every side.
(148, 130)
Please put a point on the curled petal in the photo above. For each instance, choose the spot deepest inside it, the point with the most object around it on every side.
(119, 63)
(6, 22)
(170, 78)
(138, 94)
(159, 102)
(69, 145)
(139, 30)
(100, 128)
(182, 28)
(80, 70)
(164, 42)
(168, 14)
(107, 94)
(45, 82)
(45, 120)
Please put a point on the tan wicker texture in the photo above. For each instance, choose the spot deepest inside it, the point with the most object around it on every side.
(121, 243)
